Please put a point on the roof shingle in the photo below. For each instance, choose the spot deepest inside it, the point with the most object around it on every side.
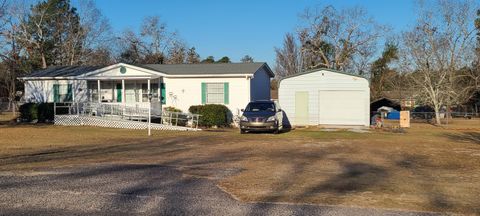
(170, 69)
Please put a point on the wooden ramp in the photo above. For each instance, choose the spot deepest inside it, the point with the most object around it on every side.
(81, 120)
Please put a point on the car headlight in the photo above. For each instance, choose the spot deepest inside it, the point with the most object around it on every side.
(272, 118)
(243, 118)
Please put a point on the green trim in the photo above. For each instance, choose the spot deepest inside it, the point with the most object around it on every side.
(225, 93)
(123, 69)
(119, 92)
(69, 93)
(56, 93)
(204, 93)
(163, 93)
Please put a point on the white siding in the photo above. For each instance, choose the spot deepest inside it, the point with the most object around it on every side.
(42, 90)
(181, 92)
(317, 81)
(260, 85)
(185, 92)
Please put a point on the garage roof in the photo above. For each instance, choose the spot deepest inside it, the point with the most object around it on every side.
(321, 69)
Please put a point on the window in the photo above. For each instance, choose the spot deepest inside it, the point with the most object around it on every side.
(93, 91)
(106, 91)
(153, 90)
(131, 93)
(260, 107)
(215, 93)
(62, 93)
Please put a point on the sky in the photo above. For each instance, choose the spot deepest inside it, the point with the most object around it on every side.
(244, 27)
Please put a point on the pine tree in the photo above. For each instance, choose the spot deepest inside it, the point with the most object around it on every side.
(192, 56)
(224, 59)
(208, 60)
(247, 59)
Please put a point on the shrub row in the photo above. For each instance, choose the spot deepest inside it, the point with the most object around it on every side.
(212, 115)
(43, 112)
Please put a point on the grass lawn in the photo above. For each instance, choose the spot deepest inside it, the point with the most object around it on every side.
(427, 168)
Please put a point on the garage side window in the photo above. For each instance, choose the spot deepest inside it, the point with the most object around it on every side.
(215, 93)
(62, 93)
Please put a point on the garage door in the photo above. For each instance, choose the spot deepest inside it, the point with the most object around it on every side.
(342, 107)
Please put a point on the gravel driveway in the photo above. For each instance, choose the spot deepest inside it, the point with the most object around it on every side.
(138, 190)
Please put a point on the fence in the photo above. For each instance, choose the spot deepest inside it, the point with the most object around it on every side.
(7, 106)
(180, 119)
(429, 117)
(132, 116)
(105, 110)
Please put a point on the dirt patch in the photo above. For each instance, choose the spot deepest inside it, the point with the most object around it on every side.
(427, 168)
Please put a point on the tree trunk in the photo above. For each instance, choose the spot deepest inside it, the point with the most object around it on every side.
(44, 61)
(437, 114)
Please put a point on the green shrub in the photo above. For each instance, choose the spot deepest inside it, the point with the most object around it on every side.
(29, 112)
(212, 115)
(172, 109)
(45, 112)
(195, 109)
(42, 112)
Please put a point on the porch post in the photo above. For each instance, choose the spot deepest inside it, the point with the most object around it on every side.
(123, 91)
(99, 94)
(148, 86)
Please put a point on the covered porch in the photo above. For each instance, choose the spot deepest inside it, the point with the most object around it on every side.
(125, 85)
(127, 92)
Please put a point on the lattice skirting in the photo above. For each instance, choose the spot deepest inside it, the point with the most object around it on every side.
(75, 120)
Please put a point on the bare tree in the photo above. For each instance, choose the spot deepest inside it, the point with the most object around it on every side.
(156, 36)
(9, 54)
(287, 57)
(177, 54)
(436, 49)
(338, 39)
(98, 40)
(30, 32)
(151, 46)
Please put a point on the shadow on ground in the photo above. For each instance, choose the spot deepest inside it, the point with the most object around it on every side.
(472, 137)
(353, 176)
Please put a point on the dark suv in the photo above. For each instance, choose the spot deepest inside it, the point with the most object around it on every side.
(261, 116)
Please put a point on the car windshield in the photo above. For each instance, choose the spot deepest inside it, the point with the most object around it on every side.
(259, 107)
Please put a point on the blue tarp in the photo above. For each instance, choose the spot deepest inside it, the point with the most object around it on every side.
(393, 115)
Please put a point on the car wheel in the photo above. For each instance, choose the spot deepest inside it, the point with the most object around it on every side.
(242, 131)
(276, 131)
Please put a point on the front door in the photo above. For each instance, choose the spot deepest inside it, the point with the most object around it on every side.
(301, 108)
(119, 92)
